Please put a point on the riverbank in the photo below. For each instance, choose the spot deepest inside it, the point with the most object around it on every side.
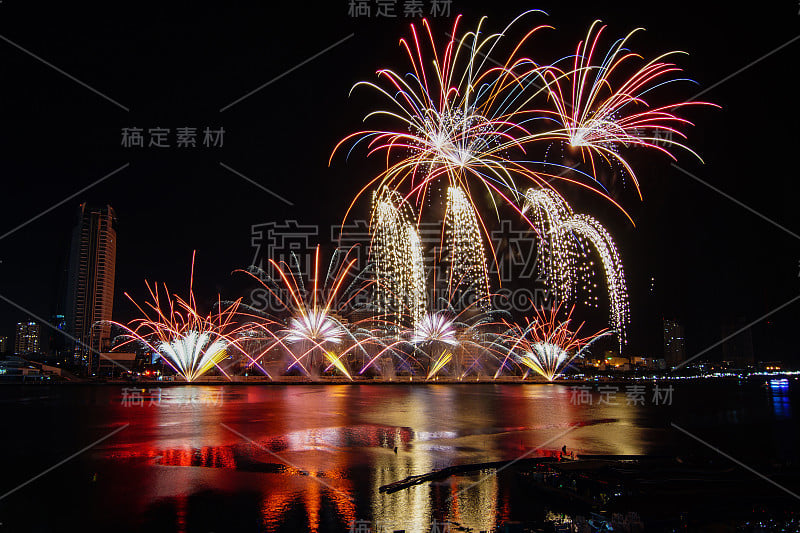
(297, 380)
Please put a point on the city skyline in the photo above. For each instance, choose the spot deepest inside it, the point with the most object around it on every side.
(399, 265)
(100, 222)
(650, 250)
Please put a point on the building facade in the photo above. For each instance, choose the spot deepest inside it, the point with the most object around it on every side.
(27, 338)
(90, 291)
(3, 344)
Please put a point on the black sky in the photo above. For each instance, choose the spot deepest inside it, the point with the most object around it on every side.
(176, 65)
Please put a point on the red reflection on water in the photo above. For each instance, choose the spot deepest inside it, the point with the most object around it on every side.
(309, 450)
(207, 456)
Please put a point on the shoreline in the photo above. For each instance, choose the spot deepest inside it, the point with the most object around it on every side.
(306, 381)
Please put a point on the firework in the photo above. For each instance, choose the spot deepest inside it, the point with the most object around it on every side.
(411, 348)
(190, 343)
(310, 327)
(599, 111)
(314, 325)
(456, 333)
(567, 239)
(563, 255)
(432, 331)
(456, 116)
(194, 353)
(467, 257)
(435, 328)
(548, 213)
(601, 241)
(546, 344)
(440, 363)
(397, 252)
(453, 333)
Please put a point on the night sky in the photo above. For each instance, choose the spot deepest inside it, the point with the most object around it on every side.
(174, 66)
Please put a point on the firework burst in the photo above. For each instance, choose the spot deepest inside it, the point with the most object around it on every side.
(599, 111)
(456, 116)
(309, 325)
(546, 344)
(190, 343)
(455, 335)
(435, 328)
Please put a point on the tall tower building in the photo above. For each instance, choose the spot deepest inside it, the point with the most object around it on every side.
(3, 344)
(27, 338)
(674, 342)
(90, 291)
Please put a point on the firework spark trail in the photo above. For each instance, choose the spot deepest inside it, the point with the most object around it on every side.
(564, 251)
(602, 242)
(397, 250)
(548, 213)
(440, 363)
(467, 258)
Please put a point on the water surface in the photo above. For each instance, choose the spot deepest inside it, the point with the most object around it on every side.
(311, 457)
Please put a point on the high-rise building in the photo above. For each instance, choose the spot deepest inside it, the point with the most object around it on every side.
(90, 291)
(26, 341)
(3, 344)
(674, 342)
